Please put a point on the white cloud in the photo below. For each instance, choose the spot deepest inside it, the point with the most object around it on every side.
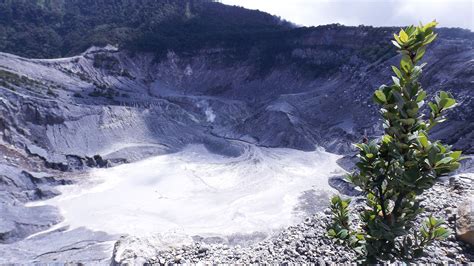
(450, 13)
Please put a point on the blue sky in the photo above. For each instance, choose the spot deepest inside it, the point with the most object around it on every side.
(450, 13)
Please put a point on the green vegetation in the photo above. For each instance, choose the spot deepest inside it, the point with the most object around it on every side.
(340, 228)
(58, 28)
(400, 166)
(11, 80)
(111, 65)
(105, 92)
(50, 92)
(226, 34)
(55, 28)
(106, 62)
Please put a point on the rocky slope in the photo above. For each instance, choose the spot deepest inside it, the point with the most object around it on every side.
(109, 106)
(111, 94)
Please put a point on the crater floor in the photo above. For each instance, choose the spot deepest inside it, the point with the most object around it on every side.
(200, 193)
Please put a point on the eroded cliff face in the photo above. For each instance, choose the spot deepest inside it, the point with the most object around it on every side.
(108, 106)
(108, 102)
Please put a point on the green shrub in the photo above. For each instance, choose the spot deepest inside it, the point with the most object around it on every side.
(104, 92)
(50, 92)
(11, 80)
(340, 228)
(106, 62)
(400, 166)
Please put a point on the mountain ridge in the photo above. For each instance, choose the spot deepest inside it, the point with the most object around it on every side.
(49, 29)
(70, 27)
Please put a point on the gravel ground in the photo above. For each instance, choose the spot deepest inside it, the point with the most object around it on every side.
(306, 242)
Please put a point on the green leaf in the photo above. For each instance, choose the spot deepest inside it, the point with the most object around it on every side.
(430, 39)
(447, 103)
(424, 233)
(445, 160)
(360, 236)
(397, 39)
(441, 147)
(443, 95)
(396, 44)
(434, 108)
(430, 25)
(423, 140)
(397, 72)
(453, 166)
(359, 146)
(369, 155)
(420, 53)
(387, 139)
(421, 96)
(343, 233)
(441, 233)
(432, 221)
(408, 122)
(335, 200)
(456, 155)
(406, 64)
(396, 81)
(379, 95)
(345, 203)
(403, 36)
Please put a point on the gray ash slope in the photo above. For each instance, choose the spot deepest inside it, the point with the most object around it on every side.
(85, 105)
(109, 106)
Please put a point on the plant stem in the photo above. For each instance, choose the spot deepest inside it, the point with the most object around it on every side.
(382, 203)
(398, 202)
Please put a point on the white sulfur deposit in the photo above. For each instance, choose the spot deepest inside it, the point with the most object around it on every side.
(197, 192)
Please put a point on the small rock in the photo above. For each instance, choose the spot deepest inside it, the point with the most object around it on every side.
(203, 249)
(450, 254)
(465, 221)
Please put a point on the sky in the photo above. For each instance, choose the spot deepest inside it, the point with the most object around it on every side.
(449, 13)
